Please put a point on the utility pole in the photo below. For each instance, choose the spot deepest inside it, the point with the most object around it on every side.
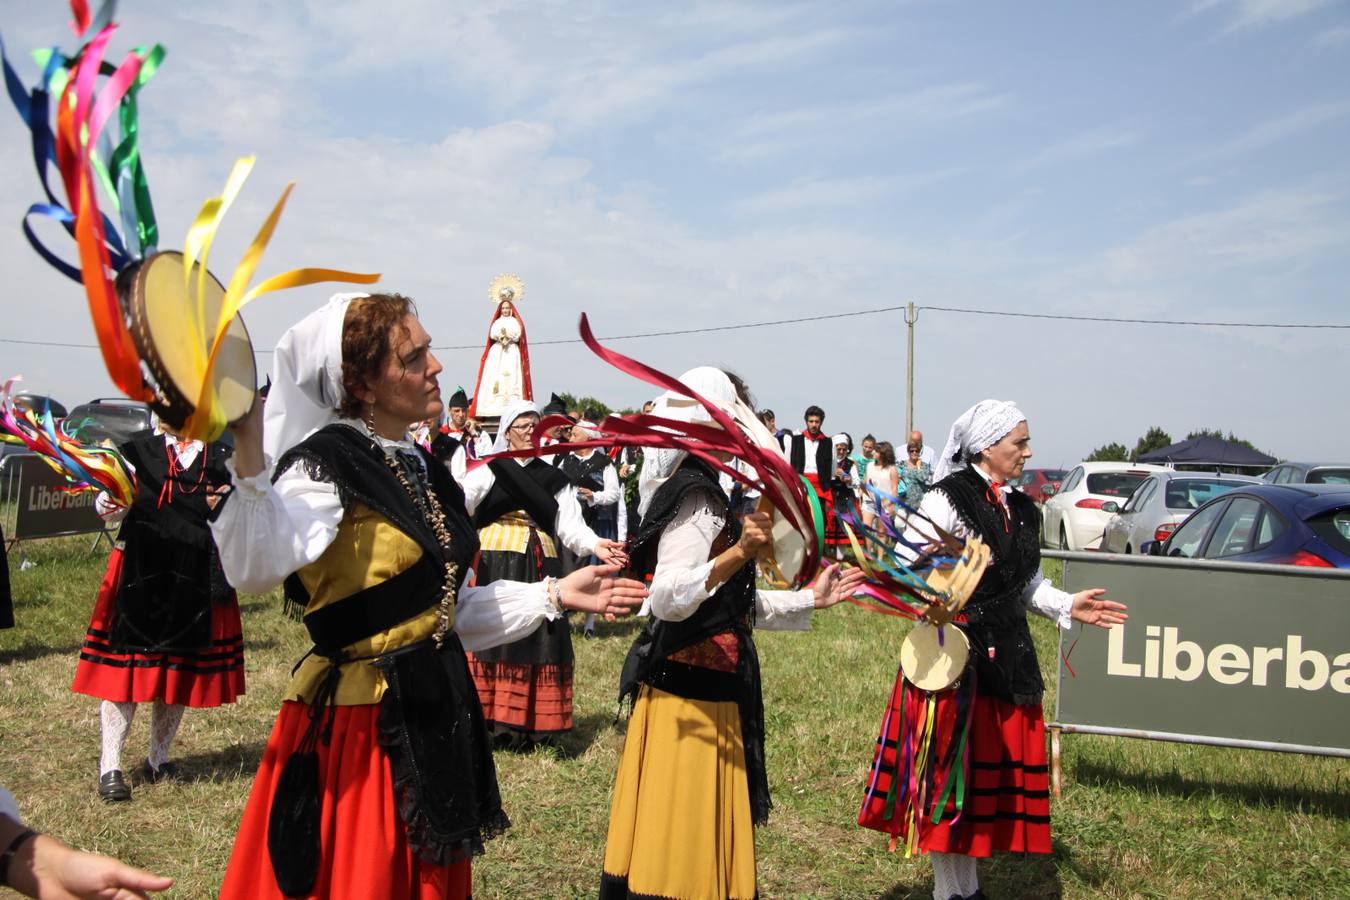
(911, 316)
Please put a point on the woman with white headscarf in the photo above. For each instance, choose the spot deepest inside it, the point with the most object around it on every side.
(524, 509)
(691, 784)
(1007, 804)
(377, 780)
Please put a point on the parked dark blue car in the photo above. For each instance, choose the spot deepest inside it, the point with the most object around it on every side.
(1290, 524)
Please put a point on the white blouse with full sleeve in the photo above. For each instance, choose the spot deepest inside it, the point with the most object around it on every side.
(610, 492)
(570, 528)
(266, 531)
(1040, 595)
(679, 583)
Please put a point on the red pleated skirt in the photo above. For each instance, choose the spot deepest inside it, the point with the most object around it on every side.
(534, 699)
(208, 677)
(1007, 781)
(365, 850)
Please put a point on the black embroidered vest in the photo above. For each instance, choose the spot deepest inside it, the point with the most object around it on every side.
(1001, 644)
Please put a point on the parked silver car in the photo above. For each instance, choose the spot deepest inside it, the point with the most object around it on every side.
(1161, 503)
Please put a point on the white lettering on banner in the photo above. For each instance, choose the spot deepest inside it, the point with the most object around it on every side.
(1169, 658)
(42, 498)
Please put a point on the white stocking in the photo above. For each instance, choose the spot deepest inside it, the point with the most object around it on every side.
(163, 726)
(954, 875)
(116, 721)
(590, 622)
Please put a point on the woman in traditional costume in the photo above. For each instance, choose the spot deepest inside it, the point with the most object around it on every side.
(377, 780)
(691, 782)
(595, 479)
(524, 509)
(165, 628)
(992, 717)
(504, 369)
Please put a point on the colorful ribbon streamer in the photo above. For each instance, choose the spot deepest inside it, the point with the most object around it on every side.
(86, 467)
(94, 151)
(773, 476)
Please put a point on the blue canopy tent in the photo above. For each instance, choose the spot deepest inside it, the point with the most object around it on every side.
(1209, 451)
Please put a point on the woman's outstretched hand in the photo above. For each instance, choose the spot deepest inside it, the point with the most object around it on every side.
(598, 589)
(1091, 608)
(836, 584)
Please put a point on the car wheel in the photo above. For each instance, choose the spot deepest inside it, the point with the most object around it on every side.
(1063, 538)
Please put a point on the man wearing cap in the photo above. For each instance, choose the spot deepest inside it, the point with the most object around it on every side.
(461, 439)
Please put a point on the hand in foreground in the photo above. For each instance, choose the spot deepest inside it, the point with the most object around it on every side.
(611, 553)
(596, 589)
(756, 533)
(836, 584)
(1091, 608)
(49, 869)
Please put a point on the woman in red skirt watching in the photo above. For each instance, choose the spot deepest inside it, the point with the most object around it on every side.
(997, 703)
(165, 628)
(377, 780)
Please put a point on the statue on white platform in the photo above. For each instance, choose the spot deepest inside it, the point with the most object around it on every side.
(504, 371)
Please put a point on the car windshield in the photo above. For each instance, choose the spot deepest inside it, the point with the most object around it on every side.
(1193, 493)
(106, 423)
(1329, 476)
(1114, 484)
(1334, 528)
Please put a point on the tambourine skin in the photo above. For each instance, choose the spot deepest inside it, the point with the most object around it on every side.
(782, 561)
(163, 314)
(933, 658)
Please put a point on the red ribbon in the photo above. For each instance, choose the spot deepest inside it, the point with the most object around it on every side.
(773, 476)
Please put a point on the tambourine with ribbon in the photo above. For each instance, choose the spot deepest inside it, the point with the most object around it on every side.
(934, 654)
(173, 339)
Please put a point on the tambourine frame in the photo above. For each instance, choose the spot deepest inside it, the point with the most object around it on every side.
(159, 303)
(935, 652)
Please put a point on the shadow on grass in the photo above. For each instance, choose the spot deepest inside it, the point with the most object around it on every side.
(1010, 875)
(571, 744)
(238, 762)
(1292, 799)
(32, 650)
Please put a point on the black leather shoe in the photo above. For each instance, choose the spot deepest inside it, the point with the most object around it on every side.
(166, 772)
(112, 786)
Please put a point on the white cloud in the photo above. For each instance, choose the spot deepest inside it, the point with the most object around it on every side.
(1281, 128)
(1332, 38)
(1244, 15)
(1082, 146)
(786, 131)
(828, 193)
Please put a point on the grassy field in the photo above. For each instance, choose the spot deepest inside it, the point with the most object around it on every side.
(1138, 819)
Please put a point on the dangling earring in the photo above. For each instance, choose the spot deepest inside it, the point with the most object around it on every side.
(370, 419)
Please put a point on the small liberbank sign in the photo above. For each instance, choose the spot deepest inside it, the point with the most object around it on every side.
(1239, 655)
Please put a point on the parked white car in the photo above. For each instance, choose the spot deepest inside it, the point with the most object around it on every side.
(1073, 518)
(1162, 503)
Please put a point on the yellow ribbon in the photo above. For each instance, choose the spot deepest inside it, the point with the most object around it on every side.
(208, 420)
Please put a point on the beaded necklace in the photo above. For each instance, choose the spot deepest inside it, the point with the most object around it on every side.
(429, 505)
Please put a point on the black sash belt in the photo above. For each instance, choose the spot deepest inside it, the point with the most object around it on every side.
(373, 610)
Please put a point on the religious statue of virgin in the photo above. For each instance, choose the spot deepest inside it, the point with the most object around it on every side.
(504, 371)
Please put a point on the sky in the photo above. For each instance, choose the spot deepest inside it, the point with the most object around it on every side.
(666, 166)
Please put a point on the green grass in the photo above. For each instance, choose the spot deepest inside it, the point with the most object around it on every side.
(1138, 819)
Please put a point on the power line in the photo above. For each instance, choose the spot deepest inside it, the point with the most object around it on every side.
(843, 315)
(1019, 315)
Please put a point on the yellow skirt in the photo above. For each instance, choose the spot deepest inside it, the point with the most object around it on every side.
(679, 824)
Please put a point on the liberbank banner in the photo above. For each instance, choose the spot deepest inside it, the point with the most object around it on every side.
(1216, 653)
(46, 508)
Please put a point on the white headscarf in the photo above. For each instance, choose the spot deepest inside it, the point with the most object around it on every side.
(842, 440)
(306, 378)
(659, 464)
(514, 410)
(979, 428)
